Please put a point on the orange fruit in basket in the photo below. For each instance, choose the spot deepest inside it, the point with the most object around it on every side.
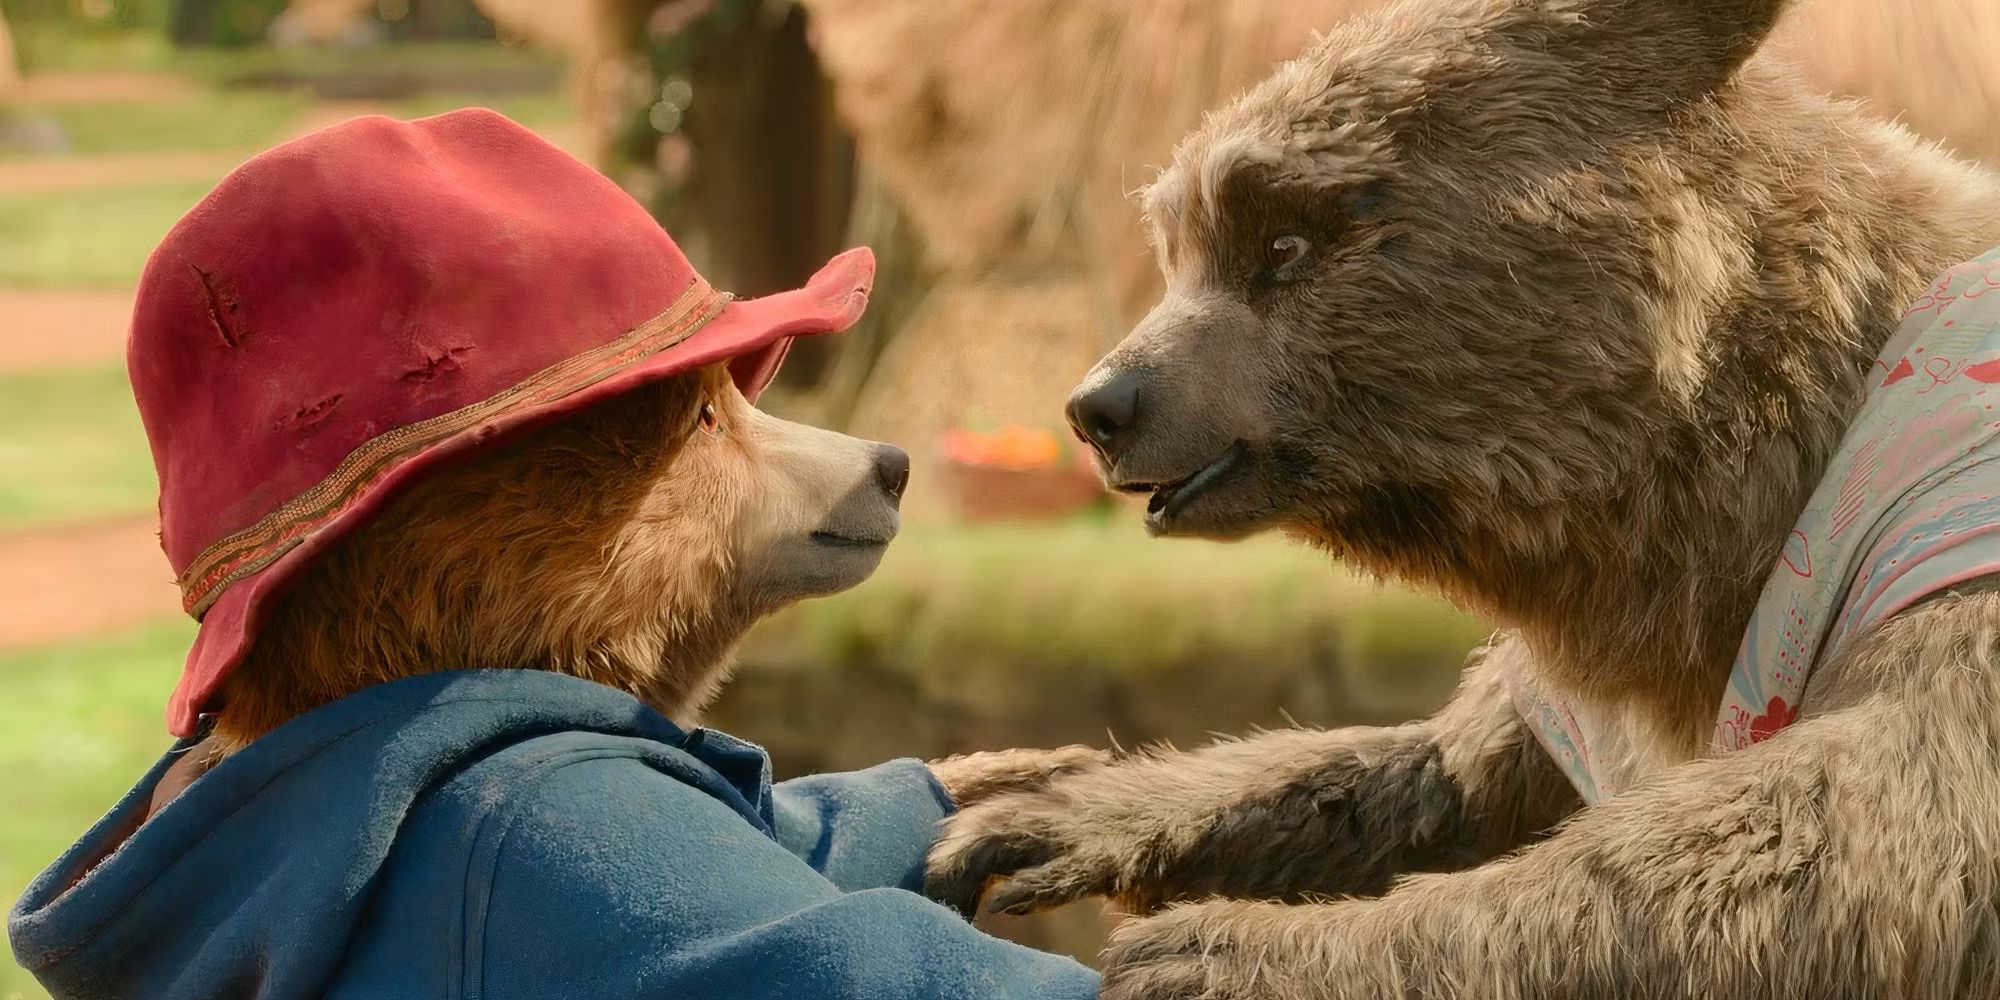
(1012, 447)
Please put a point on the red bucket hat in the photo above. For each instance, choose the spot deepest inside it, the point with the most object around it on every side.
(355, 310)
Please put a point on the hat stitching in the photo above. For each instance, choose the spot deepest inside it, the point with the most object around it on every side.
(252, 549)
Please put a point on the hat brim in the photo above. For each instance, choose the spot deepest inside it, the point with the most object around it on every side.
(752, 335)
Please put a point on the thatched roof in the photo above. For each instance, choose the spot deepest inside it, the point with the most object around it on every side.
(1011, 132)
(1934, 65)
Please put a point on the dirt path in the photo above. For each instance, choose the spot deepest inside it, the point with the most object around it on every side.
(41, 328)
(71, 173)
(105, 87)
(67, 326)
(59, 583)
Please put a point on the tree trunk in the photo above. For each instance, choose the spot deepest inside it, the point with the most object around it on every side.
(731, 139)
(10, 70)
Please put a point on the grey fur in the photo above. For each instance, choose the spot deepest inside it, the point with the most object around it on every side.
(1590, 304)
(1281, 815)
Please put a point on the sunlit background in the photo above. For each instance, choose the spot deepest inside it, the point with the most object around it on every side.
(983, 147)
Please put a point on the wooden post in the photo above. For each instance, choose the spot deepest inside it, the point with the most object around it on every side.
(728, 134)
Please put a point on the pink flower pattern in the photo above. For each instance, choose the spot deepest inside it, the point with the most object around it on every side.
(1910, 504)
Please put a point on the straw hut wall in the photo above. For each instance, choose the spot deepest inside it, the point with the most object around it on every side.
(1012, 132)
(1931, 64)
(996, 145)
(1011, 135)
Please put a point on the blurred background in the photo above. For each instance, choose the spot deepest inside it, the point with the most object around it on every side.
(983, 147)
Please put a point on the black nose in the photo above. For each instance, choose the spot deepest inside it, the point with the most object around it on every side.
(892, 469)
(1100, 412)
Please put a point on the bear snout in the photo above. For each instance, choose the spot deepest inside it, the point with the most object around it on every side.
(1102, 408)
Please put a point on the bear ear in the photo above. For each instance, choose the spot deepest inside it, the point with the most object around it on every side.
(1697, 44)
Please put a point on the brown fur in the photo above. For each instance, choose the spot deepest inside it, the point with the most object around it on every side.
(1588, 306)
(625, 545)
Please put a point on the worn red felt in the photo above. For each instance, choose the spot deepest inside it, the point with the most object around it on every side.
(354, 310)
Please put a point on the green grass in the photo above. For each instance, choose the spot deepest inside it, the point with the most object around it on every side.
(1069, 594)
(78, 725)
(72, 446)
(1029, 603)
(959, 615)
(210, 120)
(224, 116)
(238, 121)
(45, 47)
(96, 238)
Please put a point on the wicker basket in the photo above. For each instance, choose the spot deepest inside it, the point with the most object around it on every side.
(1001, 490)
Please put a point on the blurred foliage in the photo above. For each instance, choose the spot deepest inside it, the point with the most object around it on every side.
(89, 14)
(1171, 638)
(946, 598)
(728, 135)
(56, 33)
(52, 46)
(236, 23)
(975, 638)
(730, 139)
(224, 23)
(670, 60)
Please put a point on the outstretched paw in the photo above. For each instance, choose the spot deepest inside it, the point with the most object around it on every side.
(1217, 950)
(1032, 840)
(975, 777)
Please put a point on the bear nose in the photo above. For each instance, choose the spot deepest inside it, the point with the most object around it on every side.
(1099, 412)
(892, 469)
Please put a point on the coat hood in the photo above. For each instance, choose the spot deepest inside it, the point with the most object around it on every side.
(253, 880)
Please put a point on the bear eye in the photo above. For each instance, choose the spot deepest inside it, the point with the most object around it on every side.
(1283, 253)
(710, 423)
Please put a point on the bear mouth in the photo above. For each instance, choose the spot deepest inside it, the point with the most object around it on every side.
(1172, 497)
(834, 540)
